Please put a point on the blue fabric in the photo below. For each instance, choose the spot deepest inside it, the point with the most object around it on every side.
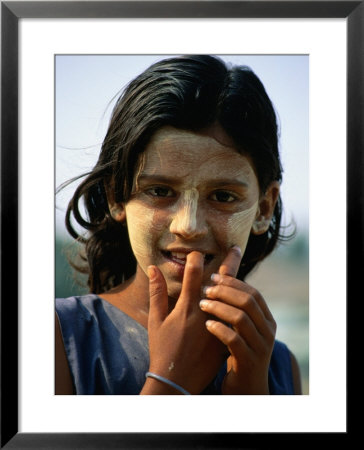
(108, 353)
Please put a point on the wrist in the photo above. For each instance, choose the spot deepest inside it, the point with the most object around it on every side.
(156, 387)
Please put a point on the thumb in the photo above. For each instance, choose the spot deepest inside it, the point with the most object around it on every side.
(158, 297)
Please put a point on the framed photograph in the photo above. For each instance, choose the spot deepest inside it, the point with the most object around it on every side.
(39, 40)
(85, 87)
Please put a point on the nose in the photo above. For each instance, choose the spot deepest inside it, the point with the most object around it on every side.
(188, 221)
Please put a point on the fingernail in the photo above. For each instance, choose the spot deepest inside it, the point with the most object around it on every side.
(152, 273)
(203, 303)
(209, 323)
(206, 290)
(236, 247)
(215, 277)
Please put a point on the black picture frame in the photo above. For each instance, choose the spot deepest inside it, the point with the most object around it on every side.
(11, 12)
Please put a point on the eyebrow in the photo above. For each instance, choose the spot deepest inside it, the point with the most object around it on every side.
(218, 182)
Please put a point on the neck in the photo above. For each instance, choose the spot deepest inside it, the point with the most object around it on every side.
(132, 297)
(138, 290)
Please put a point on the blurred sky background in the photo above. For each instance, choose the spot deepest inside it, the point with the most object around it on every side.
(86, 88)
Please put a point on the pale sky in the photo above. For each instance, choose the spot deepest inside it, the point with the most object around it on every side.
(87, 88)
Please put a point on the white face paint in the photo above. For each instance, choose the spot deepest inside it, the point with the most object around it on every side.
(139, 220)
(185, 213)
(192, 193)
(239, 225)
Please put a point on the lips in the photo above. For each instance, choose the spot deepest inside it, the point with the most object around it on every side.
(180, 256)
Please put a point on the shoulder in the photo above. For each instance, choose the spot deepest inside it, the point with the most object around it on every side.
(77, 337)
(284, 371)
(63, 378)
(76, 308)
(71, 303)
(78, 316)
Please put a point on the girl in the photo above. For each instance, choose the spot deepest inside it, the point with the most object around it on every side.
(181, 205)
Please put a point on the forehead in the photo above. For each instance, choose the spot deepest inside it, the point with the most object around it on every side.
(184, 153)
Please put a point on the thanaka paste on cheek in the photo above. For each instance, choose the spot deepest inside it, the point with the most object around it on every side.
(239, 226)
(139, 221)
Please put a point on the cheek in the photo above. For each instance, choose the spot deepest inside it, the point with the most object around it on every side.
(140, 228)
(238, 227)
(145, 228)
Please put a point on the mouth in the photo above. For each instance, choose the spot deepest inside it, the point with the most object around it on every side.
(180, 257)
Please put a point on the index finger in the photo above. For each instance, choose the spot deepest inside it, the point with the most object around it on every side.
(192, 278)
(230, 265)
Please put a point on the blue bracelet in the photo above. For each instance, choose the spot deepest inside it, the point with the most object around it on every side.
(164, 380)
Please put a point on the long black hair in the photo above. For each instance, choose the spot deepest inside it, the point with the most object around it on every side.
(189, 93)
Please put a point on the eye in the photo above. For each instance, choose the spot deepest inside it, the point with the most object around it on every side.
(223, 197)
(160, 191)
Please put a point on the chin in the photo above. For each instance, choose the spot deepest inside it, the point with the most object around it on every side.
(174, 290)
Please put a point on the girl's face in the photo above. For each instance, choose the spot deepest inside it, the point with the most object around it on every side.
(193, 191)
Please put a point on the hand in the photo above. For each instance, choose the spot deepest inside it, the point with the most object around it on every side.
(250, 336)
(181, 349)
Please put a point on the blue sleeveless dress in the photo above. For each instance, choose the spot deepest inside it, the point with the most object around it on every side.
(107, 351)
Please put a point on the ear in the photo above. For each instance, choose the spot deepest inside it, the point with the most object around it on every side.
(266, 207)
(117, 210)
